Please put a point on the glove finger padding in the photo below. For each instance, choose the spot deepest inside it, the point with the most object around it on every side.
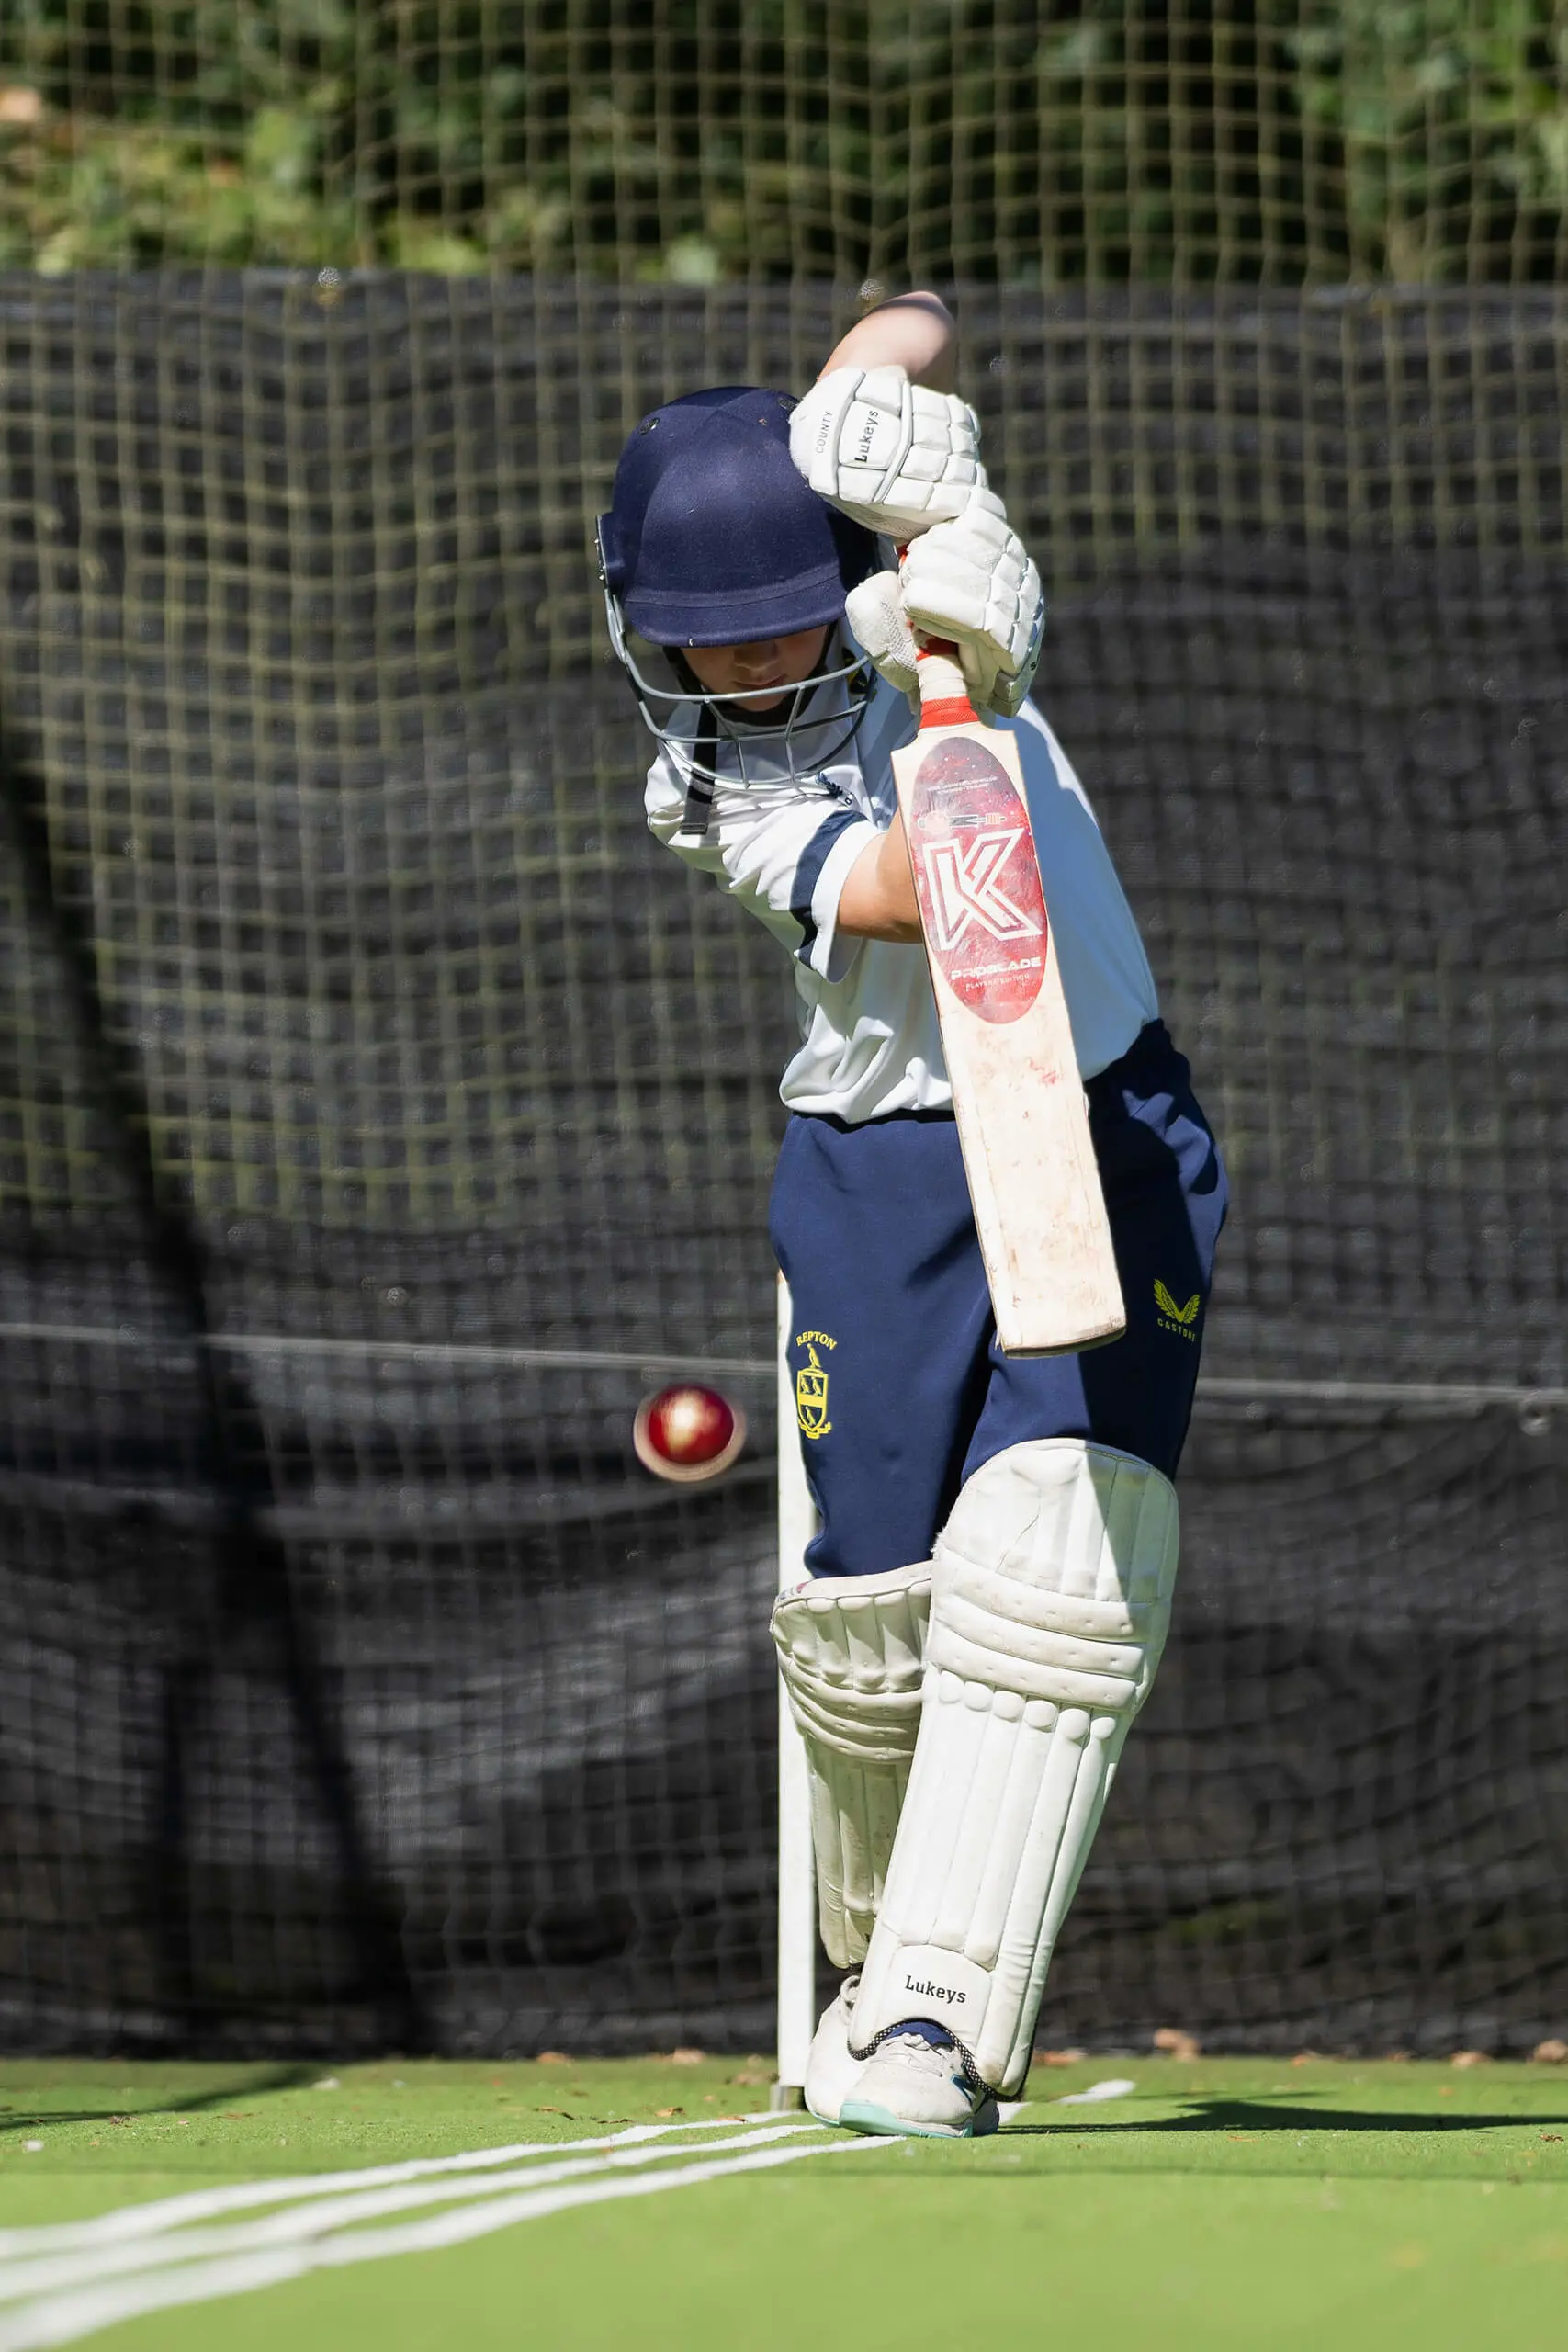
(972, 579)
(893, 455)
(874, 611)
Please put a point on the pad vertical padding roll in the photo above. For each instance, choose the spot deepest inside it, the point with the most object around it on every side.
(851, 1650)
(1051, 1599)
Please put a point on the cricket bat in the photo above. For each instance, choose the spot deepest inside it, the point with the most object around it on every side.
(1022, 1122)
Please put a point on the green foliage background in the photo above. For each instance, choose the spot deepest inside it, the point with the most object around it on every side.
(1280, 140)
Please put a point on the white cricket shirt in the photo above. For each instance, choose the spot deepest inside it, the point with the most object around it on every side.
(870, 1043)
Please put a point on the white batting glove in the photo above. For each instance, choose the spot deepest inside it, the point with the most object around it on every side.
(874, 610)
(889, 454)
(972, 579)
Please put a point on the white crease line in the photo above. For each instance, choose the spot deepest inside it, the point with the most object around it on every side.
(77, 2267)
(63, 2319)
(205, 2204)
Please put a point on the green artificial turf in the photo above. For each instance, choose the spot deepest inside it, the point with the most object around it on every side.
(1225, 2202)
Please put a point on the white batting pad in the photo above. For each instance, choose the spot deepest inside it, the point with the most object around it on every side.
(894, 455)
(1051, 1598)
(851, 1650)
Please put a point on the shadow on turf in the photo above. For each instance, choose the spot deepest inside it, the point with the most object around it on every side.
(254, 2086)
(1233, 2115)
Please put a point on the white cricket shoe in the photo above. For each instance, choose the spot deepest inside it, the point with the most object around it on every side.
(916, 2085)
(830, 2070)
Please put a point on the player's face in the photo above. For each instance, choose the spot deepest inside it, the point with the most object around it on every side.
(781, 662)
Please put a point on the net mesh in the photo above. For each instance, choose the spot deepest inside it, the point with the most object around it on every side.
(1025, 141)
(381, 1114)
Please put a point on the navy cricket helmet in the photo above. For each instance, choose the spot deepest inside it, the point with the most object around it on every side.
(714, 538)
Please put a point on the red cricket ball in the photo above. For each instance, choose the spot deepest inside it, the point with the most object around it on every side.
(688, 1432)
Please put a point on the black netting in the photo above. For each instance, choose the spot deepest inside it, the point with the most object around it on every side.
(377, 1103)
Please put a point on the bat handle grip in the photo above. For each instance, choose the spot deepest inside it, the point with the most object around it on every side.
(944, 698)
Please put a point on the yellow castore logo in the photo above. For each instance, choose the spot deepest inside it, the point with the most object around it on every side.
(1177, 1319)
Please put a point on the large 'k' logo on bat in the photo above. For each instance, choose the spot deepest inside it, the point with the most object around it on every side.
(963, 879)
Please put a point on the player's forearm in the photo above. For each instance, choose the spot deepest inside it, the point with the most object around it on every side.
(878, 899)
(915, 332)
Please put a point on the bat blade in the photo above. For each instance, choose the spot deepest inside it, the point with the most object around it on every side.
(1019, 1099)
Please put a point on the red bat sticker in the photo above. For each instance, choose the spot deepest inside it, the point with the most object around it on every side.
(978, 879)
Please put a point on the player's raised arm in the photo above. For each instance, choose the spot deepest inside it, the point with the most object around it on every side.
(915, 332)
(903, 459)
(882, 436)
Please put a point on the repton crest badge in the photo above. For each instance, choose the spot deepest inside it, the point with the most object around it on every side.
(811, 1385)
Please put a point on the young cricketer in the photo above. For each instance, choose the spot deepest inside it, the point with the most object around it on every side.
(990, 1582)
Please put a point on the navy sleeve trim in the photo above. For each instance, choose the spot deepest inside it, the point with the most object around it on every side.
(808, 873)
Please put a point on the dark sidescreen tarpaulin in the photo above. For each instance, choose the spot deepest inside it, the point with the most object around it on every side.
(358, 1049)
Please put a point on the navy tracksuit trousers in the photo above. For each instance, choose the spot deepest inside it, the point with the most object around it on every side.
(901, 1390)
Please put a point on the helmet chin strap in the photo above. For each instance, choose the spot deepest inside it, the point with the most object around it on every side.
(700, 787)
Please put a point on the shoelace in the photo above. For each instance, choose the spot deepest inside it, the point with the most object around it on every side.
(915, 2052)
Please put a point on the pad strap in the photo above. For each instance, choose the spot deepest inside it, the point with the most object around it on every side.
(1051, 1599)
(849, 1650)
